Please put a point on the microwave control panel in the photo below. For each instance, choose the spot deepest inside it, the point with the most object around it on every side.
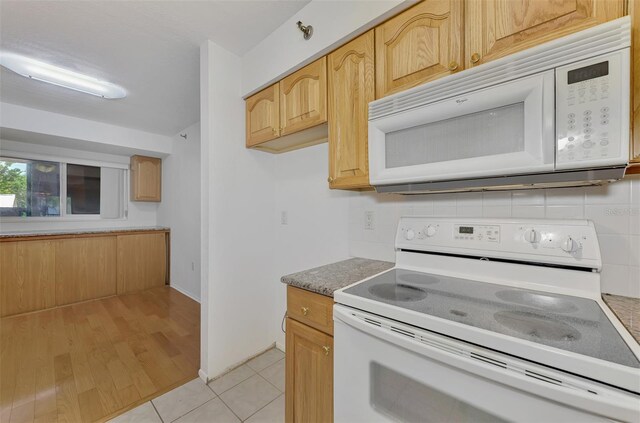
(592, 112)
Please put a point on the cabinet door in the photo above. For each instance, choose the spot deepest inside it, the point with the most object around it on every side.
(420, 44)
(303, 98)
(142, 261)
(263, 116)
(146, 178)
(351, 88)
(85, 268)
(496, 28)
(309, 375)
(27, 276)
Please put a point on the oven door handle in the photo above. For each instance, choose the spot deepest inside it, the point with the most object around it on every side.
(458, 355)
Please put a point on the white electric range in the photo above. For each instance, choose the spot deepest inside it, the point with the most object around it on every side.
(484, 320)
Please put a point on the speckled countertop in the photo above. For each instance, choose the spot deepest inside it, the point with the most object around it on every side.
(326, 279)
(627, 309)
(58, 232)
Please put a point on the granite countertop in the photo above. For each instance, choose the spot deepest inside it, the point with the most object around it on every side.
(56, 232)
(327, 279)
(627, 310)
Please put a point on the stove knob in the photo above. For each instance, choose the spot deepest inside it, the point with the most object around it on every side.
(430, 230)
(532, 236)
(410, 234)
(570, 245)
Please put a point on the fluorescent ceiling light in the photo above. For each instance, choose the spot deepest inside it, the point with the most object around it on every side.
(45, 72)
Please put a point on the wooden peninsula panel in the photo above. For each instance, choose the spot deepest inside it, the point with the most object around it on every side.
(27, 276)
(85, 269)
(142, 261)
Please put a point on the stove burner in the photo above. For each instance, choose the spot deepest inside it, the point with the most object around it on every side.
(547, 302)
(398, 292)
(418, 278)
(537, 326)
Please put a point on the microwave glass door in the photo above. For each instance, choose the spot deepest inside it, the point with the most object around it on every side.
(506, 128)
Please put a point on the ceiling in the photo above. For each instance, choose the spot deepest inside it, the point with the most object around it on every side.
(151, 48)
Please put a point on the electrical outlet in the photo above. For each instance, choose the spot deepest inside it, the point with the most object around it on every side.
(284, 217)
(193, 266)
(369, 220)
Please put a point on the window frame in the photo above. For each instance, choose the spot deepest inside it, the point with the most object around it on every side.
(63, 161)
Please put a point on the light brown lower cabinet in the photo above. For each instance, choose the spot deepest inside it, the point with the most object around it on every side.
(309, 375)
(27, 276)
(142, 261)
(56, 270)
(85, 269)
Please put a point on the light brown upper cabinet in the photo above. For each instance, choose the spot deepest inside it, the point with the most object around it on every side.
(351, 88)
(497, 28)
(263, 115)
(418, 45)
(146, 179)
(303, 98)
(290, 114)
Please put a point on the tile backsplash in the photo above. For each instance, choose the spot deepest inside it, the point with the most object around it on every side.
(614, 208)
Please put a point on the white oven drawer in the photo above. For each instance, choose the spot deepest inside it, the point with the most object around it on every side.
(386, 371)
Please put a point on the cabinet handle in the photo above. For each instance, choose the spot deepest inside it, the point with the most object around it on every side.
(453, 66)
(305, 310)
(326, 350)
(475, 58)
(330, 179)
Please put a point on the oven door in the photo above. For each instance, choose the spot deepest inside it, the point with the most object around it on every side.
(386, 371)
(501, 130)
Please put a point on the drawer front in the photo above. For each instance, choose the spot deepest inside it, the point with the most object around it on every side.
(312, 309)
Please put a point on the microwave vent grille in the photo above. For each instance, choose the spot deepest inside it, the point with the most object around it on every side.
(600, 39)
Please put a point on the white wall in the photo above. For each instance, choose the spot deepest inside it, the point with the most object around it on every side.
(317, 228)
(180, 210)
(334, 23)
(96, 136)
(238, 195)
(139, 213)
(615, 209)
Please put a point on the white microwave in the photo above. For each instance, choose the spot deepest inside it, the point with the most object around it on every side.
(553, 115)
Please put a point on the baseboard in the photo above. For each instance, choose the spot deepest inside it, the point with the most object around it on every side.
(280, 346)
(182, 291)
(203, 376)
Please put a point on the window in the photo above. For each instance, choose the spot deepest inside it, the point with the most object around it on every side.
(83, 189)
(34, 188)
(29, 188)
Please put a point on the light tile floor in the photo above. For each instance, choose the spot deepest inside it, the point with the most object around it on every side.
(253, 392)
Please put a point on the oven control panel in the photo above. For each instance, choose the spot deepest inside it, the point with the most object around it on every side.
(481, 233)
(568, 242)
(592, 110)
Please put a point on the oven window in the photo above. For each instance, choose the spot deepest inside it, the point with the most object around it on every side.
(485, 133)
(406, 400)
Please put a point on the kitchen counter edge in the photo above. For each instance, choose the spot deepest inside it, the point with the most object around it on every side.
(324, 280)
(26, 235)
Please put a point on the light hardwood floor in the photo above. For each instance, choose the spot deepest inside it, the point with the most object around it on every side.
(91, 361)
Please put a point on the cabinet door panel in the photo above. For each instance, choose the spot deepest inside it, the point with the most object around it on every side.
(351, 88)
(419, 45)
(263, 116)
(142, 261)
(303, 98)
(309, 375)
(496, 28)
(27, 276)
(634, 11)
(85, 269)
(146, 178)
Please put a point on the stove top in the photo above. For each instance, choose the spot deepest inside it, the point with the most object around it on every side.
(565, 322)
